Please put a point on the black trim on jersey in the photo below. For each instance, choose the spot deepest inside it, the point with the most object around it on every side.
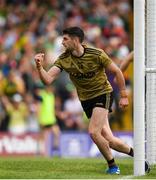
(93, 51)
(64, 55)
(58, 67)
(81, 55)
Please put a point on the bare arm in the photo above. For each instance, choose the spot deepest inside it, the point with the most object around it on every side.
(125, 63)
(46, 76)
(121, 83)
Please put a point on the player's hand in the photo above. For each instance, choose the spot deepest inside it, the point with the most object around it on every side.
(123, 103)
(39, 60)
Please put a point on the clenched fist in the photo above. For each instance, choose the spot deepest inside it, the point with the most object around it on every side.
(123, 103)
(39, 59)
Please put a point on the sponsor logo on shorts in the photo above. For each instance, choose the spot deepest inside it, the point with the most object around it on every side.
(99, 104)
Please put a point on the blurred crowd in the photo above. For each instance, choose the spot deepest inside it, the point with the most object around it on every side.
(31, 26)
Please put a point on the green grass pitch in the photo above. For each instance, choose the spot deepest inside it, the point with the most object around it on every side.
(60, 168)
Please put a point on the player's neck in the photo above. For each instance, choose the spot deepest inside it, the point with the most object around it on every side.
(78, 51)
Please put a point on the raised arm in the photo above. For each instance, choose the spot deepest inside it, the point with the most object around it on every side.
(46, 76)
(121, 84)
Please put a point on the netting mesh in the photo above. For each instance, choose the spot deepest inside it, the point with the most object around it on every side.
(151, 81)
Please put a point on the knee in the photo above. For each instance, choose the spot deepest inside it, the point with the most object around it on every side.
(93, 133)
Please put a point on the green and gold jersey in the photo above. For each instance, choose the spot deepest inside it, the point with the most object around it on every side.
(87, 72)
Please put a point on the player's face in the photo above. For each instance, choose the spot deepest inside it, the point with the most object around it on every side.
(68, 42)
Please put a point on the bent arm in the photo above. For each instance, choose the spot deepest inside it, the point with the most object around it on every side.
(119, 78)
(49, 76)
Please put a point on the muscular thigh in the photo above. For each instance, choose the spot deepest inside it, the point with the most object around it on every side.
(98, 118)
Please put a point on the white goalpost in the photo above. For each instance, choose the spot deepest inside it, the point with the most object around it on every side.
(139, 87)
(144, 84)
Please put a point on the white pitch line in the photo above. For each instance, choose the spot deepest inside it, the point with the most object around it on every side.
(126, 177)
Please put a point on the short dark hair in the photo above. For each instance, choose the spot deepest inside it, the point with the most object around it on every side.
(75, 31)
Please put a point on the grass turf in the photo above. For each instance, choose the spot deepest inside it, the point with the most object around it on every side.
(59, 168)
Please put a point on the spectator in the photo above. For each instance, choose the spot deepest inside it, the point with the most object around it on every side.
(22, 34)
(18, 112)
(47, 117)
(75, 111)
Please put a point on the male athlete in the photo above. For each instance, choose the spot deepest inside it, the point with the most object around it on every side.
(86, 68)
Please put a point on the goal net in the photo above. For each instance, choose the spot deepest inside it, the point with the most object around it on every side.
(150, 12)
(144, 84)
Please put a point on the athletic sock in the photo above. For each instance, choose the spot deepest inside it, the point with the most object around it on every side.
(111, 162)
(131, 152)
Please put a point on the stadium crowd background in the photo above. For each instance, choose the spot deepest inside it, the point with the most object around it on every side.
(31, 26)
